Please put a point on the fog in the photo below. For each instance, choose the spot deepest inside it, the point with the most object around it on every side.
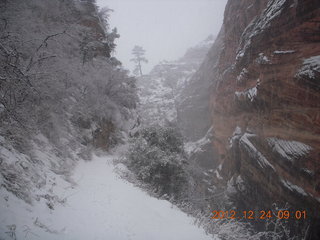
(164, 28)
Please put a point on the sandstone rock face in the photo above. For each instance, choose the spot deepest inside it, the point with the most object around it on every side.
(265, 102)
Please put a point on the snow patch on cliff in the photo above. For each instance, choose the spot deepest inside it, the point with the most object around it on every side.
(235, 136)
(249, 94)
(216, 172)
(258, 25)
(273, 10)
(293, 188)
(263, 59)
(237, 131)
(290, 150)
(253, 152)
(284, 51)
(240, 183)
(308, 171)
(310, 68)
(242, 76)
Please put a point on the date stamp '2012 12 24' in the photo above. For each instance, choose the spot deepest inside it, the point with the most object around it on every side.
(263, 214)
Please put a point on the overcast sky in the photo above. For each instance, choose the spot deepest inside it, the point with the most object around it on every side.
(164, 28)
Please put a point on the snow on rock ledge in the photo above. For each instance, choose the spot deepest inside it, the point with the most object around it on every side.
(290, 150)
(310, 69)
(249, 94)
(253, 152)
(258, 25)
(284, 51)
(293, 188)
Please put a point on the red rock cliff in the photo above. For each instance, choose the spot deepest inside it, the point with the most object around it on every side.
(266, 102)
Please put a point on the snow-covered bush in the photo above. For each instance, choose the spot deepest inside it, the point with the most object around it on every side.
(157, 157)
(165, 138)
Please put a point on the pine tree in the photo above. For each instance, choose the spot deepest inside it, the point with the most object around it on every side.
(138, 52)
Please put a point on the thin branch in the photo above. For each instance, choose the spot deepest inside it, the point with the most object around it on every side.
(44, 43)
(38, 61)
(5, 49)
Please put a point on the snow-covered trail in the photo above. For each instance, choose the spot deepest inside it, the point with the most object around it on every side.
(104, 206)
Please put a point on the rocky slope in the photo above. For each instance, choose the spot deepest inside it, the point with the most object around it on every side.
(265, 104)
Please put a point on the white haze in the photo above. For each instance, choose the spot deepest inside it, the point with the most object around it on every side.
(165, 28)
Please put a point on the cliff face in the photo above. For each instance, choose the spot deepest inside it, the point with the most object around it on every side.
(192, 103)
(162, 91)
(265, 102)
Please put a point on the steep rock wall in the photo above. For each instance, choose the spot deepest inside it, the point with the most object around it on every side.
(265, 103)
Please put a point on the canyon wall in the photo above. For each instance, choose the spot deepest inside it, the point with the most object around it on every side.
(265, 104)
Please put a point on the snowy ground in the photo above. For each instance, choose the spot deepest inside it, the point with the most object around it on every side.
(100, 206)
